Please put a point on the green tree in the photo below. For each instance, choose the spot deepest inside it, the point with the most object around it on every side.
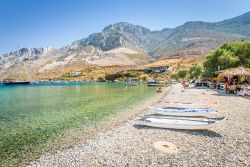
(174, 76)
(196, 70)
(182, 73)
(228, 55)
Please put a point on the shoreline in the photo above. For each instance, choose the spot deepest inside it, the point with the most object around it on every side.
(126, 145)
(80, 136)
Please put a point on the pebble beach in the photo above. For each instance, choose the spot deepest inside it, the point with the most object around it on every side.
(228, 144)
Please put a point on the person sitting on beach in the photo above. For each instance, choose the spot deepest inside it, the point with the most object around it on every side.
(159, 90)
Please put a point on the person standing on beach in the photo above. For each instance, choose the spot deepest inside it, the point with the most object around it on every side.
(183, 84)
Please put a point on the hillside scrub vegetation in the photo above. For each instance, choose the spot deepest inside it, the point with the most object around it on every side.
(228, 55)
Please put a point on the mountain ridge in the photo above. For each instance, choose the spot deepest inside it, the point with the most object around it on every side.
(133, 28)
(124, 33)
(116, 42)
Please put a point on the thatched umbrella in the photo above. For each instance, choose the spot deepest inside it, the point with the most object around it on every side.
(240, 71)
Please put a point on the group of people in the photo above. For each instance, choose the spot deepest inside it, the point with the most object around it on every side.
(233, 87)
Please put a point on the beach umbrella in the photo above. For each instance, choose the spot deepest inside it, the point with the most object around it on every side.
(240, 71)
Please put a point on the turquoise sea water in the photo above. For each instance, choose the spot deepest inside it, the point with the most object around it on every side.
(31, 115)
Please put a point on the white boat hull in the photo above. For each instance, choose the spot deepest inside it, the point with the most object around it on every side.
(175, 123)
(170, 112)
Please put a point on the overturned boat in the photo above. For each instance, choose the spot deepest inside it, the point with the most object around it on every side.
(15, 82)
(179, 111)
(172, 122)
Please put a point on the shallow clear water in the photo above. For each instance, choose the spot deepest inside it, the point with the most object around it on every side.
(30, 115)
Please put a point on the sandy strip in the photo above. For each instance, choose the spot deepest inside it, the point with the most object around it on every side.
(126, 145)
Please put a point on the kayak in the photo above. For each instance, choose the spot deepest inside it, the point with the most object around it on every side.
(189, 104)
(179, 111)
(179, 122)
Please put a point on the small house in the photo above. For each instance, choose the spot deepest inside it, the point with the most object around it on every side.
(159, 68)
(75, 74)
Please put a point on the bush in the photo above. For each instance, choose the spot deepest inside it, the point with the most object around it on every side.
(101, 79)
(182, 73)
(112, 77)
(174, 76)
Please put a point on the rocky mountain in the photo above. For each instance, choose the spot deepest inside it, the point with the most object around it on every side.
(25, 54)
(45, 63)
(238, 25)
(120, 34)
(127, 44)
(192, 38)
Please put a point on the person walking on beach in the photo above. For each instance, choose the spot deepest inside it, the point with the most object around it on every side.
(183, 84)
(227, 87)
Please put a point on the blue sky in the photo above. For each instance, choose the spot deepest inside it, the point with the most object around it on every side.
(56, 23)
